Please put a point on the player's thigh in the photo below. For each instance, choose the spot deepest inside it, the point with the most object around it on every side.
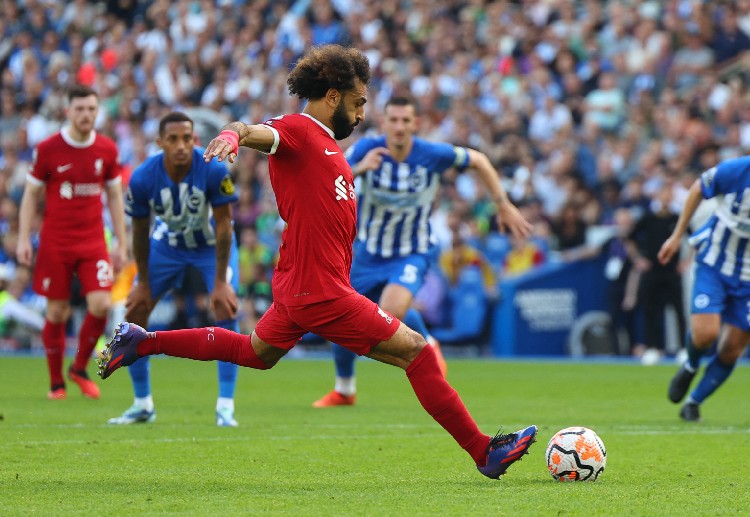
(53, 272)
(58, 310)
(353, 321)
(705, 328)
(396, 299)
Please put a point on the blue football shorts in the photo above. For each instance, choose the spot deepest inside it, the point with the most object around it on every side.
(714, 293)
(371, 274)
(167, 267)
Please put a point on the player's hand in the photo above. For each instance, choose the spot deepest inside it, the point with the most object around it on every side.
(510, 218)
(224, 301)
(139, 302)
(24, 252)
(222, 147)
(119, 257)
(372, 159)
(669, 249)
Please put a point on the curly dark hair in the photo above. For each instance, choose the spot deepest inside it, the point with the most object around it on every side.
(325, 67)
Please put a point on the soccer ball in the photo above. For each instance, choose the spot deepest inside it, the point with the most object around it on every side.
(576, 454)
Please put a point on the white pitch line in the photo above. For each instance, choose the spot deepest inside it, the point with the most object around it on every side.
(428, 431)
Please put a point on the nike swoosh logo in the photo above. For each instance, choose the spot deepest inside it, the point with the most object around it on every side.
(330, 153)
(63, 168)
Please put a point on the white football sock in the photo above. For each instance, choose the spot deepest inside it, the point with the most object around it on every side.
(346, 385)
(146, 403)
(225, 403)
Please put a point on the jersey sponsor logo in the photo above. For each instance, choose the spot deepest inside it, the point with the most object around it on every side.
(66, 190)
(340, 186)
(388, 319)
(70, 190)
(330, 153)
(343, 191)
(63, 168)
(227, 186)
(701, 301)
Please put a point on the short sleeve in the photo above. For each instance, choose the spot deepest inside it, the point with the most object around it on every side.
(114, 167)
(136, 196)
(448, 156)
(719, 180)
(220, 185)
(289, 134)
(357, 152)
(38, 172)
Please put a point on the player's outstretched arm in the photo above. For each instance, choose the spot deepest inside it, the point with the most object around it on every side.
(32, 194)
(226, 146)
(672, 245)
(508, 215)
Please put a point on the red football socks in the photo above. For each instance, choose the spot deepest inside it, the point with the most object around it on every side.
(442, 402)
(204, 344)
(53, 338)
(91, 330)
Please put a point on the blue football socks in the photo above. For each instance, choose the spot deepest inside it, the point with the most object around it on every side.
(227, 371)
(140, 375)
(694, 354)
(715, 375)
(413, 320)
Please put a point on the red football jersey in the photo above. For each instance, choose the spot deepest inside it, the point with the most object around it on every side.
(314, 189)
(75, 174)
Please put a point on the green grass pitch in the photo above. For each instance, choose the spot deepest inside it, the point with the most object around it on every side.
(385, 456)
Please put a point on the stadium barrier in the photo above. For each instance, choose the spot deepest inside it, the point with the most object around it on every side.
(557, 309)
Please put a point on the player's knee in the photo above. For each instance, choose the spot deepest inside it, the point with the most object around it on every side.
(396, 310)
(704, 337)
(101, 308)
(413, 344)
(57, 313)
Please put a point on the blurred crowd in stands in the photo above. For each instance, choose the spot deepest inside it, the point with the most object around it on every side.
(596, 113)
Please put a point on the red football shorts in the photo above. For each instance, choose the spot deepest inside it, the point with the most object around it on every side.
(353, 322)
(55, 267)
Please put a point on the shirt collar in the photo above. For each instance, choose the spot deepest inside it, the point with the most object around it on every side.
(318, 122)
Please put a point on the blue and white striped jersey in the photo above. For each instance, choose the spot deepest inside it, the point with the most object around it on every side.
(722, 242)
(183, 213)
(395, 201)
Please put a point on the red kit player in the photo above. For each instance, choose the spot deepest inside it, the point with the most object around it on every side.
(314, 190)
(74, 166)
